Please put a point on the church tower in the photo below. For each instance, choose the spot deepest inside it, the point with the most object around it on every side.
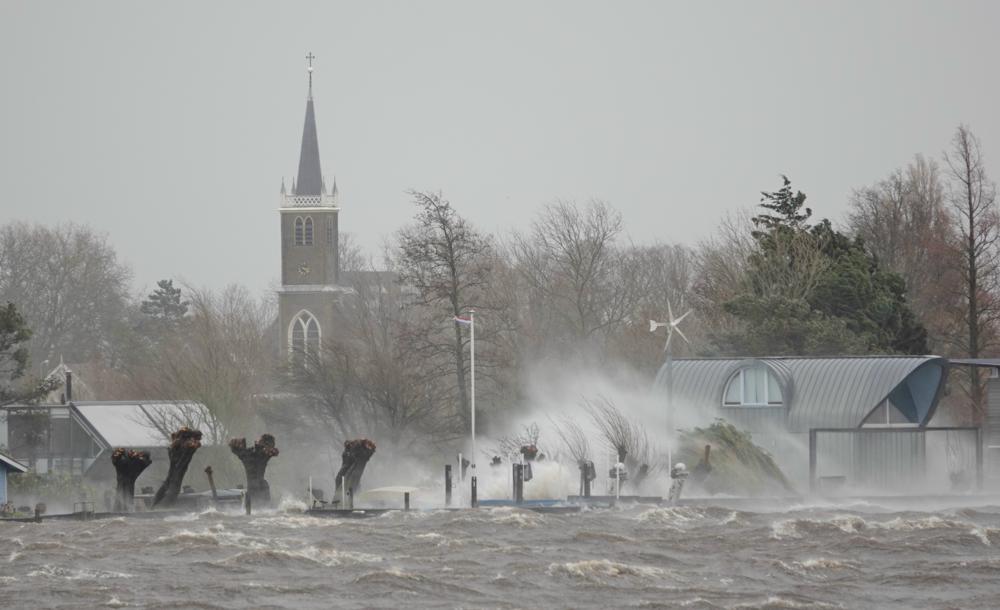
(309, 258)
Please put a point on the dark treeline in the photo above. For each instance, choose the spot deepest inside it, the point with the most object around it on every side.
(912, 269)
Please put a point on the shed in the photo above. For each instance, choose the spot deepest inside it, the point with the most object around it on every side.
(780, 399)
(8, 465)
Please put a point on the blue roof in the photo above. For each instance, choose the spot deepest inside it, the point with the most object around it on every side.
(11, 465)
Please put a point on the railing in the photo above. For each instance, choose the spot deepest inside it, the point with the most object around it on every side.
(308, 201)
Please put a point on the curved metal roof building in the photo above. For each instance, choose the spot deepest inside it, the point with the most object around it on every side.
(838, 392)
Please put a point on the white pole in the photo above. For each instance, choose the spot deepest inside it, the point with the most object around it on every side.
(461, 471)
(618, 480)
(472, 366)
(670, 408)
(310, 502)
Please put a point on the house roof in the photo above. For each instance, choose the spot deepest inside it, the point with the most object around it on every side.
(11, 464)
(141, 424)
(822, 392)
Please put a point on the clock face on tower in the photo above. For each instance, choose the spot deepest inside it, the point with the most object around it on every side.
(303, 269)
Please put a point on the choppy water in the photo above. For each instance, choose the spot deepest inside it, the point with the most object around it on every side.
(638, 557)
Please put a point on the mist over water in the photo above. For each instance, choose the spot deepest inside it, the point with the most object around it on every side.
(631, 557)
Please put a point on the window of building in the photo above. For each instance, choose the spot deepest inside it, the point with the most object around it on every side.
(308, 240)
(304, 336)
(329, 232)
(886, 414)
(299, 231)
(753, 387)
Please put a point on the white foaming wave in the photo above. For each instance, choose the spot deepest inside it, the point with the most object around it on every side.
(114, 602)
(818, 567)
(295, 521)
(677, 515)
(782, 602)
(597, 569)
(789, 528)
(518, 518)
(215, 535)
(732, 518)
(182, 518)
(984, 534)
(291, 504)
(7, 579)
(51, 571)
(922, 523)
(430, 535)
(310, 554)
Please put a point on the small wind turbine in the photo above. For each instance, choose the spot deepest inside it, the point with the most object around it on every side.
(672, 327)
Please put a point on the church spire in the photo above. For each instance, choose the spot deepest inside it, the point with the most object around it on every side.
(310, 181)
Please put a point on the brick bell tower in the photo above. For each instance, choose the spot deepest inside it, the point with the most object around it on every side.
(310, 266)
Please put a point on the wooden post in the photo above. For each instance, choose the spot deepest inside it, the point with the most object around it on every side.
(518, 483)
(406, 500)
(246, 500)
(475, 491)
(211, 483)
(447, 484)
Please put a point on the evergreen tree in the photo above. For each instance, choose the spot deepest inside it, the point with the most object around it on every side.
(165, 303)
(14, 336)
(788, 213)
(813, 290)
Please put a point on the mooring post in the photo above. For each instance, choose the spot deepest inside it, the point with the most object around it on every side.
(38, 513)
(475, 492)
(406, 500)
(246, 500)
(447, 484)
(211, 484)
(518, 483)
(350, 498)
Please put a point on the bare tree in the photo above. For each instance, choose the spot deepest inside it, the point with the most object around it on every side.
(447, 262)
(372, 378)
(68, 284)
(221, 357)
(582, 285)
(905, 224)
(972, 196)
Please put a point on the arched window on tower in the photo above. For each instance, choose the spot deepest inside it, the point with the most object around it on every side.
(304, 338)
(308, 241)
(299, 231)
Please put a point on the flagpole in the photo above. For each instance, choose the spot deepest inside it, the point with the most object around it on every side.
(472, 366)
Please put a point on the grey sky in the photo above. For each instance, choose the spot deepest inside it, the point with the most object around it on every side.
(169, 125)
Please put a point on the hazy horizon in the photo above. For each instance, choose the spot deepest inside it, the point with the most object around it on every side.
(169, 126)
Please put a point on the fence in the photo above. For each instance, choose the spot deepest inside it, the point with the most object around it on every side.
(895, 460)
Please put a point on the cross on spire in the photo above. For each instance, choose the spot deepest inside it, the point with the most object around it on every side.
(310, 57)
